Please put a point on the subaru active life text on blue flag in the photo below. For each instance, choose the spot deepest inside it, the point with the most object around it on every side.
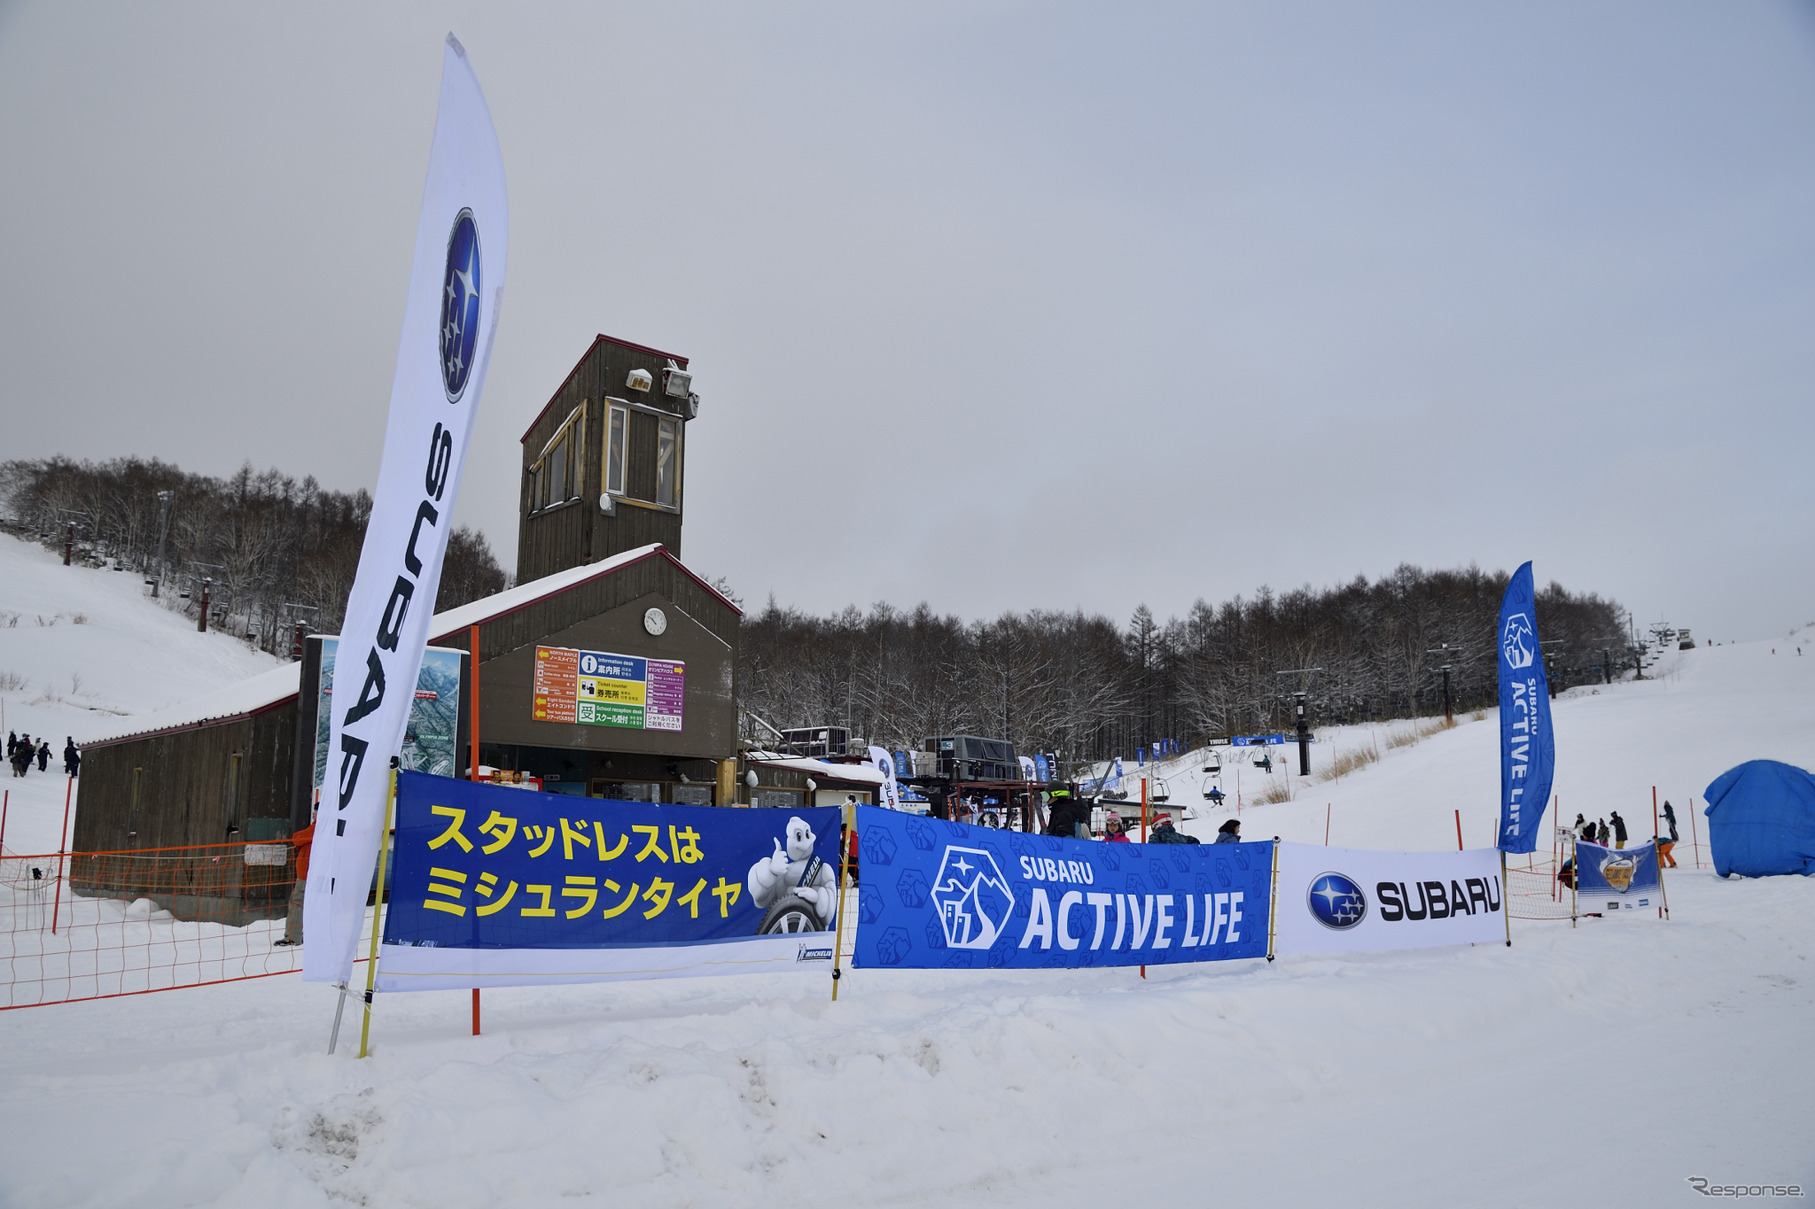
(449, 319)
(938, 895)
(1527, 749)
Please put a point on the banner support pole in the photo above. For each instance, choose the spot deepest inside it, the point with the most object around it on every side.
(384, 851)
(1144, 832)
(1273, 900)
(844, 862)
(1664, 894)
(1575, 878)
(340, 1005)
(1505, 899)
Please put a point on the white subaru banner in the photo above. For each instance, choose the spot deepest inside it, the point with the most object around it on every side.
(449, 320)
(1353, 900)
(884, 763)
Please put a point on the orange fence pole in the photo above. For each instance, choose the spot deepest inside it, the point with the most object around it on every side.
(62, 843)
(1458, 830)
(1695, 834)
(472, 645)
(6, 800)
(1326, 824)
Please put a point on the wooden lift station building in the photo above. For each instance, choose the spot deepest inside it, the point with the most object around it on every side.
(610, 670)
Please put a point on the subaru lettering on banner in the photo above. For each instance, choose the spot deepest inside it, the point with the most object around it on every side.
(449, 320)
(938, 895)
(1353, 900)
(505, 887)
(1527, 748)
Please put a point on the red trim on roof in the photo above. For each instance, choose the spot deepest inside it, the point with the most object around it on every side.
(601, 338)
(204, 724)
(658, 552)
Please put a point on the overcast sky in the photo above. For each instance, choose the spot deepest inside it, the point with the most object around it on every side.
(997, 306)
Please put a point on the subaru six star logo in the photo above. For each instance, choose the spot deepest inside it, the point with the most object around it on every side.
(1337, 901)
(973, 898)
(460, 305)
(1518, 642)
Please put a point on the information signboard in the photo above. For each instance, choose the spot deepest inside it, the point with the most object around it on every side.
(599, 688)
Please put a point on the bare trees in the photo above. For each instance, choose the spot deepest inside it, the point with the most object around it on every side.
(1079, 685)
(268, 541)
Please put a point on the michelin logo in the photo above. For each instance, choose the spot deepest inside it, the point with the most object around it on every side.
(973, 898)
(813, 953)
(1517, 641)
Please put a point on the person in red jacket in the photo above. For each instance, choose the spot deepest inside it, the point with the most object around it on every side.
(1114, 832)
(302, 840)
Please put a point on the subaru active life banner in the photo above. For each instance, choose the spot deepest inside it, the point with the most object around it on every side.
(1354, 900)
(449, 319)
(1527, 749)
(507, 887)
(938, 895)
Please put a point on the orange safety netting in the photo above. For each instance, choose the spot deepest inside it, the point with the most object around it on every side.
(93, 925)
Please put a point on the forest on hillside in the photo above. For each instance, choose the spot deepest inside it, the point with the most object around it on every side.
(1086, 688)
(277, 550)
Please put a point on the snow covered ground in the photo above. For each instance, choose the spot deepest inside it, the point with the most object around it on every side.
(1602, 1064)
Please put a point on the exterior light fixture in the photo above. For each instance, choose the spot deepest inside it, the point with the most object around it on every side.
(639, 379)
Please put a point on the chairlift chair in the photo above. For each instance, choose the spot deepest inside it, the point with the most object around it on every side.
(1161, 793)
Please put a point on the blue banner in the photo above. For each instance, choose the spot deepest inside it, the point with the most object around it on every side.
(938, 895)
(1257, 740)
(1617, 873)
(480, 866)
(1527, 748)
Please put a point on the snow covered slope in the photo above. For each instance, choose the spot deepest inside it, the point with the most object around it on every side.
(1602, 1064)
(79, 648)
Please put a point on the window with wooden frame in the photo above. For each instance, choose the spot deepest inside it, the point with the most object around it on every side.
(642, 455)
(554, 477)
(617, 445)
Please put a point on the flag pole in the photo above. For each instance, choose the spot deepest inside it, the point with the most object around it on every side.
(1662, 893)
(384, 851)
(844, 863)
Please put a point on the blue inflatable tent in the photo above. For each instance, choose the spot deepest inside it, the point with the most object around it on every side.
(1761, 820)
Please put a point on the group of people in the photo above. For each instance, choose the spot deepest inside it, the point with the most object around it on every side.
(23, 750)
(1598, 833)
(1070, 817)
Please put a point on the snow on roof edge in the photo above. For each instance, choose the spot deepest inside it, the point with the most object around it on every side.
(273, 688)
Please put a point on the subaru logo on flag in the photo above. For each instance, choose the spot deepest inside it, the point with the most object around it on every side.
(1517, 642)
(1336, 901)
(973, 898)
(460, 305)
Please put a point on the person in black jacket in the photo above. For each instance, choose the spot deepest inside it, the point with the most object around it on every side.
(43, 755)
(72, 759)
(1619, 829)
(1165, 833)
(1068, 816)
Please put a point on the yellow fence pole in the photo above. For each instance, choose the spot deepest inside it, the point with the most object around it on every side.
(384, 852)
(844, 861)
(1273, 900)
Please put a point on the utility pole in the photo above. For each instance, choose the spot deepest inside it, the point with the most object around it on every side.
(1299, 697)
(298, 627)
(167, 498)
(1447, 653)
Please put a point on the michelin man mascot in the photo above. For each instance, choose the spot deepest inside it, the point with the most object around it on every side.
(794, 873)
